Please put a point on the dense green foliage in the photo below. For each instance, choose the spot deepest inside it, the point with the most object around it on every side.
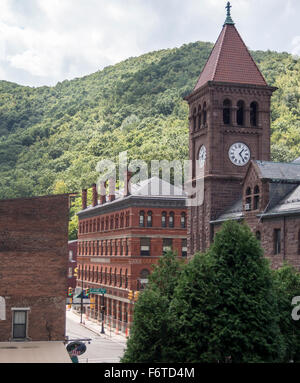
(51, 138)
(223, 306)
(150, 330)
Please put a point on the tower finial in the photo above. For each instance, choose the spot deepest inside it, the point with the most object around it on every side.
(228, 18)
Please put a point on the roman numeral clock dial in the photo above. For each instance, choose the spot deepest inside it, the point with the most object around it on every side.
(239, 154)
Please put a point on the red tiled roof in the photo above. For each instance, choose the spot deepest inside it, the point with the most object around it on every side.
(230, 61)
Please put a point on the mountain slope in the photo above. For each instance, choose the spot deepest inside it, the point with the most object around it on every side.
(51, 138)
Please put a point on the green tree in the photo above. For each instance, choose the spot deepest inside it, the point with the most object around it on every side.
(150, 328)
(288, 286)
(225, 304)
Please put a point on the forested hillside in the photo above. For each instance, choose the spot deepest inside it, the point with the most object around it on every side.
(52, 137)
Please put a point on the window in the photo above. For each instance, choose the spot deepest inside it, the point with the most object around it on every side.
(149, 219)
(183, 220)
(199, 118)
(277, 241)
(299, 242)
(171, 219)
(258, 235)
(194, 119)
(248, 199)
(145, 247)
(167, 245)
(144, 278)
(240, 113)
(2, 309)
(184, 248)
(256, 198)
(253, 113)
(19, 324)
(226, 112)
(70, 272)
(204, 114)
(121, 281)
(164, 219)
(142, 219)
(70, 256)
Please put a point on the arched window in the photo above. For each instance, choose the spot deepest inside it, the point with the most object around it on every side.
(183, 220)
(171, 219)
(149, 219)
(115, 277)
(256, 198)
(142, 218)
(253, 113)
(226, 112)
(121, 281)
(204, 114)
(194, 119)
(248, 199)
(240, 113)
(199, 118)
(164, 219)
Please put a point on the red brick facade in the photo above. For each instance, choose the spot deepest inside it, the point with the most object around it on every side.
(233, 106)
(33, 273)
(117, 248)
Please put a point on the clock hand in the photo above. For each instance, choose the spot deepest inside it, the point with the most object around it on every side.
(241, 154)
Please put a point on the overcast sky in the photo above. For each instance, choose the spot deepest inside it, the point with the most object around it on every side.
(46, 41)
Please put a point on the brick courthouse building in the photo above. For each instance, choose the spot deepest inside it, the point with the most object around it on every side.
(229, 140)
(120, 237)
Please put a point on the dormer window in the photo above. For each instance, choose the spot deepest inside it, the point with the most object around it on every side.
(248, 199)
(256, 198)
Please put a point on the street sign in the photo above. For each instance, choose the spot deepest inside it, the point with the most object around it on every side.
(98, 291)
(76, 348)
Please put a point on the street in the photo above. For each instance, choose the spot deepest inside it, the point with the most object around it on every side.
(101, 349)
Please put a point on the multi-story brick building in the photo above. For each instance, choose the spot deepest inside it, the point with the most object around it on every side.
(121, 238)
(33, 268)
(72, 264)
(230, 109)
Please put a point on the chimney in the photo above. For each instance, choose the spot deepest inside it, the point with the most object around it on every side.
(84, 199)
(112, 189)
(103, 186)
(95, 195)
(128, 175)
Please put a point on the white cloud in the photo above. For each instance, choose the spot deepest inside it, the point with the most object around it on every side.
(45, 41)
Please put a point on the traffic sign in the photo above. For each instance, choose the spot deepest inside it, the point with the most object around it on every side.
(98, 291)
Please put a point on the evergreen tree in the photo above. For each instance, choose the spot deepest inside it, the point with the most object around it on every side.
(149, 332)
(288, 286)
(225, 303)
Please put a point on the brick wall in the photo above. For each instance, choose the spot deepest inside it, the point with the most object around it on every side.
(34, 259)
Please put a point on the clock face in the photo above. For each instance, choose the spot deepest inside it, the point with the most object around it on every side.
(202, 156)
(239, 154)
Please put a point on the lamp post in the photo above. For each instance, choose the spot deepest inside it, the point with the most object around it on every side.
(102, 314)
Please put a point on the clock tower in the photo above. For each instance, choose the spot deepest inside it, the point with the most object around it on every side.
(229, 115)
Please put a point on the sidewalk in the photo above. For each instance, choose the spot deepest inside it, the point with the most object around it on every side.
(96, 327)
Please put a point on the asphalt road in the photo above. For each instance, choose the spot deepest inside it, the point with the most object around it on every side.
(101, 349)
